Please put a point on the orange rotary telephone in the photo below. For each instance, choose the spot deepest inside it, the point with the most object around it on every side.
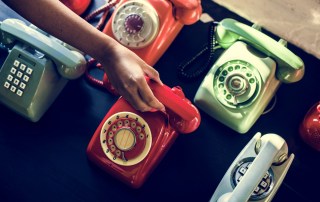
(148, 27)
(77, 6)
(129, 144)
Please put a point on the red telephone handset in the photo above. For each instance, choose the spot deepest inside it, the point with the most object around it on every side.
(129, 144)
(77, 6)
(148, 27)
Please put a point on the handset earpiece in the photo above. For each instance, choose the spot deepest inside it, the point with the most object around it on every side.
(75, 71)
(189, 114)
(187, 12)
(71, 64)
(291, 67)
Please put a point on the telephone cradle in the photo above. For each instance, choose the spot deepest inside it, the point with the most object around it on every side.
(129, 144)
(36, 69)
(257, 172)
(244, 79)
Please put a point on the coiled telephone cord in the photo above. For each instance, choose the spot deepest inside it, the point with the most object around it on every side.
(92, 63)
(208, 49)
(104, 10)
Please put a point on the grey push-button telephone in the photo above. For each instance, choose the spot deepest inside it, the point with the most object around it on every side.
(36, 69)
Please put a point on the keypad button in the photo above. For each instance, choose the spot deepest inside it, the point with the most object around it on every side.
(19, 74)
(19, 92)
(23, 67)
(242, 170)
(29, 71)
(9, 77)
(16, 81)
(13, 70)
(22, 85)
(13, 88)
(16, 63)
(256, 190)
(6, 84)
(263, 184)
(25, 78)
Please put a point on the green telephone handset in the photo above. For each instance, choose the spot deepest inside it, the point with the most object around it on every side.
(291, 67)
(245, 78)
(36, 69)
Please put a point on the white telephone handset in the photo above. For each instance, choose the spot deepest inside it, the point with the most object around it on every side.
(257, 172)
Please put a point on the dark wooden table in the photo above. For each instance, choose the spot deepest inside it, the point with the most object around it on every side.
(46, 161)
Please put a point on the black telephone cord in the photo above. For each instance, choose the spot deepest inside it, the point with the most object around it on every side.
(208, 48)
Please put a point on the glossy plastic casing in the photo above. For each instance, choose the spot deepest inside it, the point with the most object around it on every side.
(171, 20)
(310, 127)
(242, 118)
(165, 128)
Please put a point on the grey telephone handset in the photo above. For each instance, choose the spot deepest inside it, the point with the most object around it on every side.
(257, 172)
(36, 68)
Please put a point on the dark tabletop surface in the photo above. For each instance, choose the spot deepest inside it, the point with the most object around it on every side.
(46, 161)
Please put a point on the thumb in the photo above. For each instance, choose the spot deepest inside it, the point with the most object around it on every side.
(152, 73)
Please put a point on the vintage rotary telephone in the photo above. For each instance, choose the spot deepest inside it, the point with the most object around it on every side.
(244, 79)
(36, 69)
(147, 27)
(257, 172)
(129, 144)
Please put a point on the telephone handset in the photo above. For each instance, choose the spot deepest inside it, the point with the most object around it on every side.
(245, 78)
(148, 27)
(36, 69)
(129, 144)
(77, 6)
(290, 67)
(257, 172)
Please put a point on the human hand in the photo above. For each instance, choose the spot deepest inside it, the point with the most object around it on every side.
(126, 71)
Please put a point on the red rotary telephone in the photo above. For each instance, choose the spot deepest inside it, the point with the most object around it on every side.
(148, 27)
(129, 144)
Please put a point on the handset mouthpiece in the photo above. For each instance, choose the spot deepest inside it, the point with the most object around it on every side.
(179, 105)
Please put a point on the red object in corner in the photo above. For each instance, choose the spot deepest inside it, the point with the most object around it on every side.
(77, 6)
(310, 127)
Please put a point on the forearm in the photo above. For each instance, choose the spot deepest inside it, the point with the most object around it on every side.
(59, 21)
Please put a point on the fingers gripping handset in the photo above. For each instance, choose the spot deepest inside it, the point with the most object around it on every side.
(290, 66)
(185, 116)
(36, 68)
(149, 27)
(129, 144)
(257, 172)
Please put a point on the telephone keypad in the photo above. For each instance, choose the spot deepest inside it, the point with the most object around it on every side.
(264, 187)
(18, 78)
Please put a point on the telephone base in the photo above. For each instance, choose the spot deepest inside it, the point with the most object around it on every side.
(239, 63)
(29, 82)
(163, 136)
